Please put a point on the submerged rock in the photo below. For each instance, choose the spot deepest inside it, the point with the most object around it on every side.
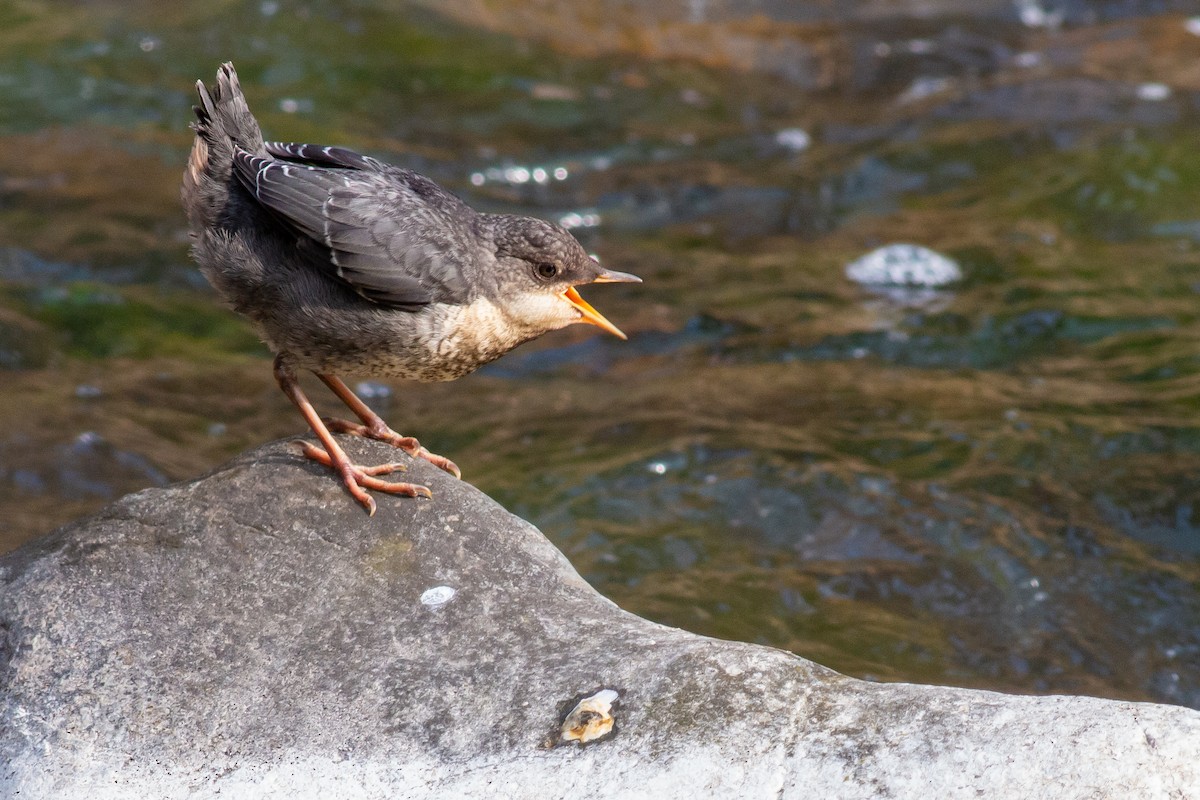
(253, 634)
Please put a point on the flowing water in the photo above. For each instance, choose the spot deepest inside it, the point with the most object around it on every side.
(991, 483)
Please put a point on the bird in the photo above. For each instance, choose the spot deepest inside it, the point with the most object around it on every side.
(343, 263)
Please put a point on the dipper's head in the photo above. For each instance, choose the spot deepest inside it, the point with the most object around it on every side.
(540, 264)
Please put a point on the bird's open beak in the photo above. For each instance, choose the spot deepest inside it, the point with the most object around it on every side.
(590, 314)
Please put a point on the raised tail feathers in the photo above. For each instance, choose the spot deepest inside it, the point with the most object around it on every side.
(223, 115)
(223, 122)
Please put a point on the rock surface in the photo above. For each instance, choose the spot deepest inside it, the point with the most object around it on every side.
(253, 634)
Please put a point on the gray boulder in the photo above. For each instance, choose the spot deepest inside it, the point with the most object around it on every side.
(253, 634)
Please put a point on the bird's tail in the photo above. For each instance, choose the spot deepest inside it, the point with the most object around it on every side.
(223, 121)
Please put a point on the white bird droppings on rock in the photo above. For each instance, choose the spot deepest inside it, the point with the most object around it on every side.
(904, 265)
(438, 596)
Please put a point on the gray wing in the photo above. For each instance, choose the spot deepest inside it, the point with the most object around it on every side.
(396, 237)
(323, 156)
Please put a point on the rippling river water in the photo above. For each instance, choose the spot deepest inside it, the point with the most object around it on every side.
(990, 483)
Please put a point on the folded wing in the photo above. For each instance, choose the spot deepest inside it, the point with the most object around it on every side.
(394, 236)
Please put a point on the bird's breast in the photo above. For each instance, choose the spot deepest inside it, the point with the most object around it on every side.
(443, 341)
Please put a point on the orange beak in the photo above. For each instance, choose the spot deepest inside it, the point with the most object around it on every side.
(591, 315)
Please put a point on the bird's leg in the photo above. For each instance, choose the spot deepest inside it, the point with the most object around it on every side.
(374, 427)
(357, 479)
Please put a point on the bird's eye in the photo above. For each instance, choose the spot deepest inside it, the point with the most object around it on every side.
(546, 271)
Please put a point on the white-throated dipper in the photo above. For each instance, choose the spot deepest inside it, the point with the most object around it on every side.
(346, 264)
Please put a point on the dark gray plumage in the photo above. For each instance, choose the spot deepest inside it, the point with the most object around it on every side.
(390, 232)
(346, 264)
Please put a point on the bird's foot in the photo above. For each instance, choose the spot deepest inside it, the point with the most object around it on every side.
(358, 479)
(383, 433)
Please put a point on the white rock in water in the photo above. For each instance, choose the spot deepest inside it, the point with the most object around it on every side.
(904, 265)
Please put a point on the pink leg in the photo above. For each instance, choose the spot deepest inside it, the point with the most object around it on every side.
(374, 427)
(356, 478)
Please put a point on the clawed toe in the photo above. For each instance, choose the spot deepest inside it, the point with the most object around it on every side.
(357, 478)
(317, 454)
(383, 469)
(438, 461)
(395, 487)
(385, 434)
